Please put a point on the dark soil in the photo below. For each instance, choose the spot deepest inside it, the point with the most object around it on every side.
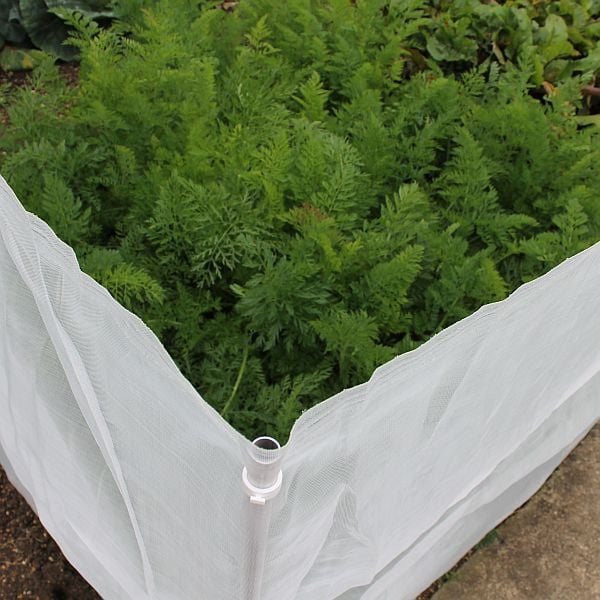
(19, 79)
(31, 564)
(70, 71)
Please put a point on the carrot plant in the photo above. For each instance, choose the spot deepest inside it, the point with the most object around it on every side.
(293, 193)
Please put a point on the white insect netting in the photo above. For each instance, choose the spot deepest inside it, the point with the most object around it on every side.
(385, 485)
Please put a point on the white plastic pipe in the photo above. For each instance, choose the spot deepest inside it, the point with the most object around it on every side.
(262, 478)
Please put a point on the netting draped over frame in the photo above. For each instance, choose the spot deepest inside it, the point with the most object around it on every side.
(385, 485)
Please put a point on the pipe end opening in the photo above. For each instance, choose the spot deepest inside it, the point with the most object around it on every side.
(266, 450)
(266, 443)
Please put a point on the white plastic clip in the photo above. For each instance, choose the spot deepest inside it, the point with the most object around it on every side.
(261, 495)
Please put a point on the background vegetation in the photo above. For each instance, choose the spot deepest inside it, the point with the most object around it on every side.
(290, 194)
(38, 23)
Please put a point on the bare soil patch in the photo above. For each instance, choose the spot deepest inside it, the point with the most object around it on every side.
(31, 564)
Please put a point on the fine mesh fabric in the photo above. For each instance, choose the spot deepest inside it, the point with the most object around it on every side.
(385, 485)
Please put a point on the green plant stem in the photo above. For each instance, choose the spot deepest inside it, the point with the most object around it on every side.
(237, 383)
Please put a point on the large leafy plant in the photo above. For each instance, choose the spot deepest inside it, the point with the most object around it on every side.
(11, 29)
(288, 199)
(552, 40)
(40, 21)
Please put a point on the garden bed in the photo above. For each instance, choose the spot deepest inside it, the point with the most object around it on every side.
(291, 197)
